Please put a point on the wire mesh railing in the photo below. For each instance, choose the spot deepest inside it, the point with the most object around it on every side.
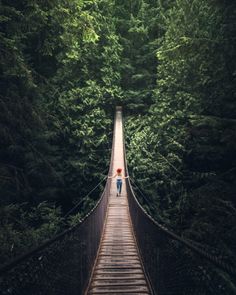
(61, 265)
(176, 266)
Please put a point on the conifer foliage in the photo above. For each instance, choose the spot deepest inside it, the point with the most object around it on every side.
(59, 77)
(182, 151)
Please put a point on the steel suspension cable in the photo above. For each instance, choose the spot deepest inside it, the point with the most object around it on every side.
(144, 197)
(85, 197)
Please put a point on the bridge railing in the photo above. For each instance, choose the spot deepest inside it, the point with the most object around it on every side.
(173, 265)
(62, 265)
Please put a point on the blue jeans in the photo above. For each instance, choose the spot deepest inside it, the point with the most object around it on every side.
(119, 185)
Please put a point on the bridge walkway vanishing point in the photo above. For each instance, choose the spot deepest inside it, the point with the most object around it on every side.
(118, 268)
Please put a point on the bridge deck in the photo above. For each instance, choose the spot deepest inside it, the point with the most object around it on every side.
(118, 268)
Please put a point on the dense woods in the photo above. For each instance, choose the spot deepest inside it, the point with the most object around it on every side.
(58, 83)
(181, 151)
(65, 65)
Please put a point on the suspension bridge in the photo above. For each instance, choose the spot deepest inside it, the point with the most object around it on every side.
(119, 249)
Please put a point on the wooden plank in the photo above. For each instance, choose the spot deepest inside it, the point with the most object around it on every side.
(126, 276)
(118, 273)
(118, 282)
(114, 268)
(118, 254)
(119, 258)
(118, 289)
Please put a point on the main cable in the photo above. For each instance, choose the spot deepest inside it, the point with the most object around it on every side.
(144, 197)
(89, 193)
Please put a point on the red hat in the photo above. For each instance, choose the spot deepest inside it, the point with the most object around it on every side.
(119, 170)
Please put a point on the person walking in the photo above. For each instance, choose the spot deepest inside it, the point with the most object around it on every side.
(119, 178)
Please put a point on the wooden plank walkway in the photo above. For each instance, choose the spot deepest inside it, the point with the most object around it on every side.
(118, 269)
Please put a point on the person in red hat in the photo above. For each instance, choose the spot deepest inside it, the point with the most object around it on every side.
(119, 178)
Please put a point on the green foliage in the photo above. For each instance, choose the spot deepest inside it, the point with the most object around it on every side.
(21, 228)
(60, 78)
(137, 23)
(181, 152)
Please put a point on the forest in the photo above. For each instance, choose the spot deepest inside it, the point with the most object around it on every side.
(66, 64)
